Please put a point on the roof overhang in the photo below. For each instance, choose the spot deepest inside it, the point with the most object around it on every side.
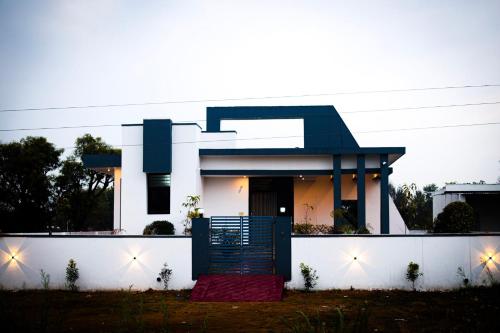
(394, 153)
(103, 163)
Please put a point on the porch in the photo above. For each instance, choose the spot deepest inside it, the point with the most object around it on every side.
(306, 188)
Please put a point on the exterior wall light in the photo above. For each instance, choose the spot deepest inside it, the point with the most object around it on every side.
(355, 258)
(13, 257)
(282, 209)
(135, 258)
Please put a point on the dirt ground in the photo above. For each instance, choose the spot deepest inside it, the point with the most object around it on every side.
(467, 310)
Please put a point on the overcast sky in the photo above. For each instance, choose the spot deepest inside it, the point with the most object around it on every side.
(70, 53)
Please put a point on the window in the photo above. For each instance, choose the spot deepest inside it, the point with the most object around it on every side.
(158, 193)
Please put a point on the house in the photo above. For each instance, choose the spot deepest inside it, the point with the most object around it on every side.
(483, 198)
(162, 162)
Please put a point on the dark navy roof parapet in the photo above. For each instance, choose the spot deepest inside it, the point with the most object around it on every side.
(323, 126)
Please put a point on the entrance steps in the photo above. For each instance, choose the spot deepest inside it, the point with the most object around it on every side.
(238, 288)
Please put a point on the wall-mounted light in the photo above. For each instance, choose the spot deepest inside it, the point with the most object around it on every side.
(134, 258)
(109, 170)
(282, 209)
(13, 257)
(354, 177)
(376, 176)
(355, 258)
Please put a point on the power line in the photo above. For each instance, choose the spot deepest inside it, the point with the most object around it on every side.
(422, 107)
(247, 98)
(204, 120)
(300, 136)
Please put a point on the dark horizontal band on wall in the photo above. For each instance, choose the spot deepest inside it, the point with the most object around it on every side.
(102, 160)
(493, 234)
(93, 236)
(283, 172)
(301, 151)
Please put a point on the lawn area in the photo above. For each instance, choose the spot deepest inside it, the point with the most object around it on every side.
(467, 310)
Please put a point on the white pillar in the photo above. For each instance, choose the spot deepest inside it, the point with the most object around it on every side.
(117, 199)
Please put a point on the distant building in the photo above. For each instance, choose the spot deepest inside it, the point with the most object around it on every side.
(484, 199)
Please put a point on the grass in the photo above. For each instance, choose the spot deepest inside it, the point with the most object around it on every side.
(471, 310)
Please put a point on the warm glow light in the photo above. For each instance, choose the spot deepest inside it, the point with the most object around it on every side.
(355, 258)
(282, 209)
(13, 257)
(135, 258)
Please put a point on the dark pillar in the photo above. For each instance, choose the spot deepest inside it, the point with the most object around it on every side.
(283, 246)
(337, 181)
(199, 247)
(361, 189)
(384, 194)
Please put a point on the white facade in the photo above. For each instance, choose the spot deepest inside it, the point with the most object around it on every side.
(381, 261)
(229, 195)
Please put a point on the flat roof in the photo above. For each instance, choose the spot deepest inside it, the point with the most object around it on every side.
(468, 188)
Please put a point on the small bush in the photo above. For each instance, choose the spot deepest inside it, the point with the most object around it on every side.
(412, 273)
(309, 275)
(72, 275)
(164, 275)
(159, 228)
(312, 229)
(456, 217)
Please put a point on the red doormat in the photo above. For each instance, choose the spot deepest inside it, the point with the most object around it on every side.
(238, 288)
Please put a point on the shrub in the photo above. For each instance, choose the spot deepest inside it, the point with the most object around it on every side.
(159, 228)
(363, 231)
(309, 275)
(312, 229)
(72, 275)
(45, 279)
(456, 217)
(164, 275)
(412, 273)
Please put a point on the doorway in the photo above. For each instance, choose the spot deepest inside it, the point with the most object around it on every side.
(271, 196)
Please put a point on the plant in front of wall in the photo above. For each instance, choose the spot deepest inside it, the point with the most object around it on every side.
(461, 274)
(193, 211)
(72, 274)
(164, 275)
(309, 275)
(45, 279)
(412, 273)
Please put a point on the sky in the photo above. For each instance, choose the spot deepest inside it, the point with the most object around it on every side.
(80, 53)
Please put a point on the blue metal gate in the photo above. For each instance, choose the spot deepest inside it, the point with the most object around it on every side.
(241, 245)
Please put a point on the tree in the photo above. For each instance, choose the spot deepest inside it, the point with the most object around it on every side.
(26, 184)
(82, 191)
(414, 205)
(456, 217)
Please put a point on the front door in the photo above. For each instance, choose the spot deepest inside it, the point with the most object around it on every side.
(270, 196)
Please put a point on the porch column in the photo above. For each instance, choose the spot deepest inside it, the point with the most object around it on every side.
(384, 194)
(337, 181)
(361, 191)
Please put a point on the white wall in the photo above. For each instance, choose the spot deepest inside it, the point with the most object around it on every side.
(107, 262)
(266, 163)
(382, 261)
(217, 140)
(103, 263)
(185, 178)
(225, 196)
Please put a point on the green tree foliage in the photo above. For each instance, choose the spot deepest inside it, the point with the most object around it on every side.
(414, 205)
(83, 194)
(26, 184)
(456, 217)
